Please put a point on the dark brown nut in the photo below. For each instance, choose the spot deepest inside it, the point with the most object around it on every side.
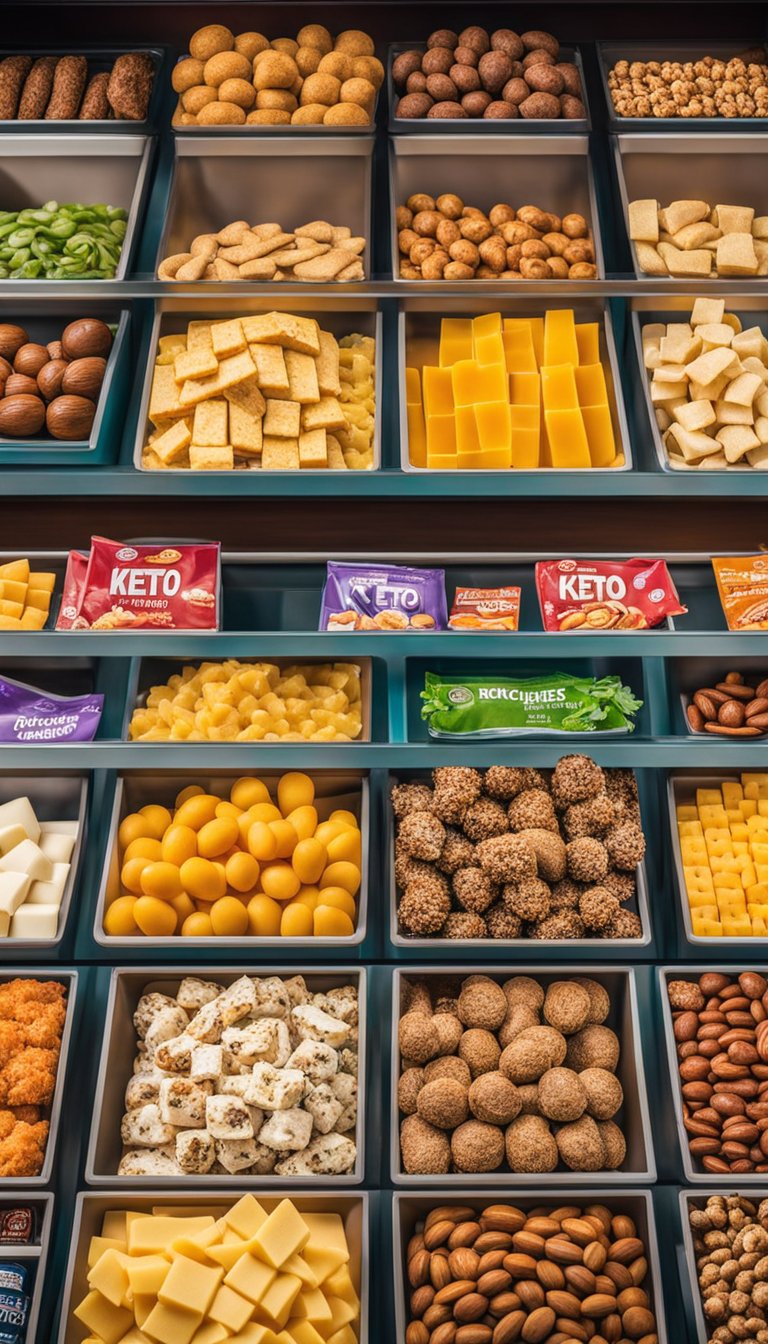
(757, 706)
(637, 1322)
(716, 1165)
(752, 985)
(95, 104)
(442, 89)
(464, 1234)
(13, 73)
(731, 714)
(404, 65)
(68, 83)
(465, 78)
(693, 1069)
(712, 982)
(570, 76)
(447, 110)
(30, 358)
(494, 69)
(500, 111)
(416, 82)
(6, 369)
(84, 377)
(86, 336)
(421, 1299)
(701, 1147)
(544, 79)
(742, 1052)
(732, 689)
(761, 691)
(475, 104)
(417, 1333)
(685, 1026)
(476, 38)
(442, 1332)
(695, 718)
(580, 249)
(70, 417)
(572, 109)
(598, 1305)
(406, 239)
(413, 106)
(575, 226)
(21, 416)
(403, 217)
(758, 721)
(12, 338)
(425, 223)
(515, 91)
(536, 40)
(437, 61)
(418, 1268)
(540, 107)
(442, 37)
(20, 384)
(504, 39)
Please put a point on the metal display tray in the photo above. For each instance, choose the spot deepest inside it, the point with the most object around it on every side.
(685, 676)
(408, 1209)
(342, 317)
(328, 179)
(119, 1045)
(101, 446)
(54, 797)
(113, 169)
(671, 49)
(350, 790)
(569, 949)
(553, 171)
(697, 1199)
(479, 125)
(100, 58)
(90, 1209)
(417, 344)
(732, 169)
(624, 1018)
(33, 1256)
(70, 979)
(751, 312)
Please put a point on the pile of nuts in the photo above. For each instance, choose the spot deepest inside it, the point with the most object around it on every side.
(730, 1239)
(494, 1274)
(731, 708)
(55, 385)
(519, 1075)
(706, 88)
(720, 1025)
(497, 77)
(317, 251)
(514, 852)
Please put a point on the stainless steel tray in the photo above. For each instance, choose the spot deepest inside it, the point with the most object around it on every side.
(697, 1199)
(349, 790)
(408, 1209)
(688, 675)
(70, 979)
(553, 171)
(330, 179)
(478, 125)
(90, 1209)
(340, 316)
(55, 797)
(731, 168)
(119, 1047)
(100, 58)
(417, 343)
(670, 49)
(113, 169)
(624, 1018)
(35, 1255)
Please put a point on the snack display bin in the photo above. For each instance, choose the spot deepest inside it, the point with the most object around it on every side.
(100, 59)
(132, 791)
(553, 170)
(685, 676)
(696, 1199)
(54, 797)
(90, 1209)
(624, 1018)
(673, 49)
(108, 169)
(34, 1255)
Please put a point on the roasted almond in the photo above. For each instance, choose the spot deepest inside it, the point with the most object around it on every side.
(564, 1304)
(444, 1334)
(617, 1274)
(623, 1226)
(504, 1304)
(471, 1307)
(528, 1243)
(440, 1272)
(436, 1316)
(453, 1291)
(581, 1279)
(563, 1252)
(543, 1227)
(493, 1283)
(490, 1260)
(637, 1322)
(464, 1263)
(417, 1333)
(538, 1326)
(473, 1334)
(438, 1233)
(631, 1297)
(453, 1213)
(598, 1305)
(579, 1230)
(415, 1244)
(509, 1327)
(502, 1218)
(550, 1275)
(595, 1257)
(625, 1249)
(493, 1241)
(464, 1234)
(706, 706)
(421, 1299)
(531, 1294)
(520, 1266)
(737, 691)
(757, 706)
(418, 1268)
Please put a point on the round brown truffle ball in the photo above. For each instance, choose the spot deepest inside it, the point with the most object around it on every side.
(515, 90)
(442, 89)
(480, 1051)
(443, 1103)
(544, 78)
(529, 1056)
(594, 1047)
(502, 923)
(599, 999)
(493, 1098)
(437, 61)
(518, 1019)
(416, 83)
(504, 39)
(449, 1032)
(598, 907)
(625, 845)
(626, 924)
(456, 786)
(604, 1093)
(426, 1150)
(621, 885)
(474, 37)
(442, 37)
(529, 1098)
(457, 852)
(407, 798)
(565, 924)
(529, 900)
(614, 1143)
(476, 1146)
(422, 835)
(575, 778)
(417, 1037)
(506, 858)
(474, 889)
(595, 816)
(466, 78)
(484, 819)
(566, 894)
(404, 65)
(482, 1004)
(549, 849)
(532, 809)
(409, 1085)
(416, 997)
(463, 925)
(587, 859)
(572, 109)
(525, 991)
(580, 1145)
(536, 40)
(566, 1006)
(423, 909)
(562, 1096)
(530, 1145)
(495, 68)
(413, 106)
(466, 56)
(448, 1066)
(506, 781)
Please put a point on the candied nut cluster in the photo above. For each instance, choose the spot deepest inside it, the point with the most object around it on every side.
(501, 1273)
(441, 238)
(259, 1077)
(514, 852)
(730, 1239)
(705, 88)
(519, 1076)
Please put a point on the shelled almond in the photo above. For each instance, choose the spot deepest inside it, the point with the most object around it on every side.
(731, 708)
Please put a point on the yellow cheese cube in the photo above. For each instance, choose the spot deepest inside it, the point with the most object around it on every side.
(284, 1232)
(345, 1335)
(739, 829)
(441, 440)
(303, 1332)
(724, 863)
(230, 1309)
(108, 1322)
(717, 843)
(748, 808)
(706, 928)
(412, 387)
(455, 340)
(732, 792)
(758, 846)
(438, 390)
(517, 340)
(296, 1264)
(706, 912)
(246, 1217)
(567, 439)
(713, 815)
(473, 382)
(311, 1302)
(153, 1235)
(758, 891)
(686, 813)
(279, 1298)
(255, 1334)
(417, 436)
(560, 344)
(727, 881)
(693, 849)
(190, 1285)
(753, 777)
(494, 430)
(526, 437)
(340, 1285)
(326, 1232)
(699, 899)
(588, 342)
(751, 791)
(143, 1305)
(146, 1273)
(737, 926)
(691, 829)
(109, 1276)
(209, 1333)
(98, 1245)
(599, 430)
(134, 1336)
(341, 1312)
(704, 797)
(322, 1260)
(748, 874)
(171, 1324)
(759, 928)
(734, 815)
(250, 1277)
(762, 872)
(758, 909)
(757, 825)
(18, 571)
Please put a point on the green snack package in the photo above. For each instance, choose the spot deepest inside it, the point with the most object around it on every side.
(489, 706)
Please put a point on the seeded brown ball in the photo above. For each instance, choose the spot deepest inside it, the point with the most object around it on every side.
(494, 1099)
(480, 1051)
(562, 1096)
(532, 809)
(595, 816)
(614, 1144)
(417, 1037)
(576, 778)
(621, 885)
(409, 1085)
(422, 835)
(566, 924)
(423, 909)
(524, 991)
(448, 1066)
(599, 999)
(531, 1054)
(518, 1019)
(597, 908)
(529, 1099)
(506, 781)
(407, 798)
(416, 998)
(476, 1146)
(462, 925)
(550, 852)
(426, 1150)
(529, 900)
(443, 1103)
(587, 859)
(403, 863)
(474, 889)
(456, 787)
(501, 923)
(457, 852)
(484, 819)
(530, 1145)
(506, 858)
(626, 846)
(566, 1006)
(449, 1032)
(625, 925)
(482, 1004)
(621, 785)
(604, 1093)
(580, 1145)
(685, 996)
(594, 1047)
(566, 894)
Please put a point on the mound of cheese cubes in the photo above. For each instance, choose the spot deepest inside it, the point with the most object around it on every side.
(260, 1272)
(224, 867)
(34, 870)
(523, 392)
(25, 596)
(724, 848)
(253, 702)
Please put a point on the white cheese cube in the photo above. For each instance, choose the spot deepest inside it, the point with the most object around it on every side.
(150, 1162)
(13, 891)
(50, 893)
(182, 1103)
(10, 837)
(35, 921)
(195, 1151)
(313, 1024)
(207, 1063)
(237, 1154)
(275, 1089)
(20, 812)
(330, 1154)
(227, 1118)
(58, 848)
(59, 828)
(28, 858)
(193, 993)
(316, 1060)
(286, 1131)
(145, 1128)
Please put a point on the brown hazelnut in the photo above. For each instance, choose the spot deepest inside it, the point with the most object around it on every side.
(472, 212)
(448, 232)
(426, 221)
(574, 226)
(83, 377)
(466, 56)
(29, 359)
(70, 417)
(474, 37)
(559, 267)
(580, 249)
(464, 251)
(21, 416)
(531, 268)
(515, 231)
(49, 378)
(433, 266)
(535, 40)
(55, 350)
(514, 255)
(442, 37)
(405, 240)
(420, 201)
(538, 219)
(12, 337)
(20, 384)
(416, 82)
(504, 39)
(533, 247)
(582, 270)
(494, 69)
(572, 109)
(475, 104)
(404, 65)
(476, 230)
(493, 253)
(437, 61)
(544, 79)
(413, 105)
(409, 272)
(556, 242)
(455, 270)
(6, 369)
(466, 78)
(403, 217)
(515, 91)
(450, 205)
(570, 77)
(500, 111)
(447, 110)
(442, 89)
(86, 336)
(421, 250)
(501, 214)
(540, 107)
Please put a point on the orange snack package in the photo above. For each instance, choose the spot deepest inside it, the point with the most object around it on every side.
(485, 609)
(742, 582)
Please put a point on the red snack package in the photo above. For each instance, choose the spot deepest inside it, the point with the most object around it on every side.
(485, 609)
(119, 587)
(593, 595)
(17, 1226)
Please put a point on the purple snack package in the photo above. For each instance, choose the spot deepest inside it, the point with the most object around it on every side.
(30, 715)
(383, 597)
